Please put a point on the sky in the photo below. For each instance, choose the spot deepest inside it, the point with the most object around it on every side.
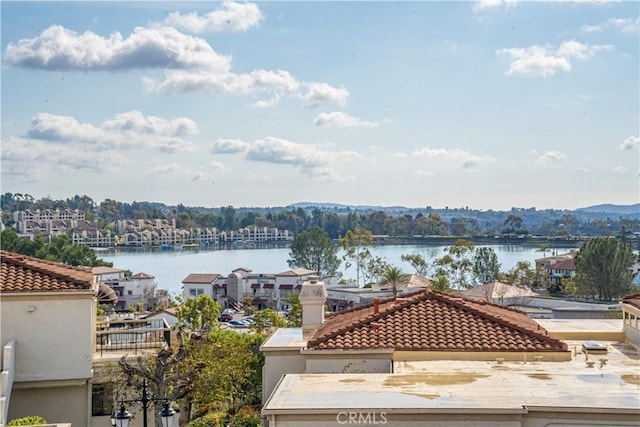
(488, 105)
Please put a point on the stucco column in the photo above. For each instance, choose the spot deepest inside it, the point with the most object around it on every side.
(313, 295)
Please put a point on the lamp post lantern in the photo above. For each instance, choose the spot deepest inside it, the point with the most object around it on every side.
(122, 418)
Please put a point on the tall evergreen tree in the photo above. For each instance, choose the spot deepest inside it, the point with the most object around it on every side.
(602, 269)
(313, 249)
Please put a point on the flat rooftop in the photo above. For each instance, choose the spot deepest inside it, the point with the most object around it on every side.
(461, 386)
(284, 339)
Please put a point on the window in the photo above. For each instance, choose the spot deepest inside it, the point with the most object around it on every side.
(196, 292)
(129, 292)
(101, 399)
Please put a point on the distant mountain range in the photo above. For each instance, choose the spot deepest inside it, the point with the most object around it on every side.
(610, 209)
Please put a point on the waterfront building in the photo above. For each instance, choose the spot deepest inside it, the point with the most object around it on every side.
(132, 291)
(431, 357)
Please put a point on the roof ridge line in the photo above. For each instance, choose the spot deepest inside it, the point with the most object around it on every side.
(33, 263)
(414, 297)
(505, 322)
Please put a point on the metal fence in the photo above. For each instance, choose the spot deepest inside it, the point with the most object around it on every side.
(132, 334)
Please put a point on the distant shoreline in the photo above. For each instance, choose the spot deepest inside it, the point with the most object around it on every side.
(530, 241)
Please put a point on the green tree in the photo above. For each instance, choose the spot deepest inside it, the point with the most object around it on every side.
(544, 248)
(513, 225)
(356, 246)
(266, 319)
(441, 283)
(522, 275)
(418, 262)
(486, 267)
(10, 241)
(393, 276)
(294, 318)
(199, 314)
(61, 249)
(602, 269)
(457, 264)
(313, 249)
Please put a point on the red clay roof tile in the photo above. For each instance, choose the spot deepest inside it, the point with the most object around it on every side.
(632, 299)
(430, 320)
(21, 273)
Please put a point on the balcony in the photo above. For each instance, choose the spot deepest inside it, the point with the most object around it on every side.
(126, 336)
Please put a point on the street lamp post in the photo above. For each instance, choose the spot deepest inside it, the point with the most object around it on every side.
(122, 418)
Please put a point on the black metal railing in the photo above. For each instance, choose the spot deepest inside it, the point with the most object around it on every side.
(132, 334)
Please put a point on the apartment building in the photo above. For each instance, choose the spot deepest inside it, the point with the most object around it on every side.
(264, 290)
(48, 338)
(431, 358)
(138, 290)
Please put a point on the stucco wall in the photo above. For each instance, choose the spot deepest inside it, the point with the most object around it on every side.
(68, 404)
(54, 334)
(413, 418)
(278, 364)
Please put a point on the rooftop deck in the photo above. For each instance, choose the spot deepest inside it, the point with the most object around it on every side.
(611, 383)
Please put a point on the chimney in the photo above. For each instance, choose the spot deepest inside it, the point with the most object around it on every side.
(376, 305)
(313, 295)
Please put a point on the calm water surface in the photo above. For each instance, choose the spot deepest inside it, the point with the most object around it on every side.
(170, 268)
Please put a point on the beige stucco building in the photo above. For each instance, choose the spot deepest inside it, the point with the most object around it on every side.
(48, 338)
(432, 359)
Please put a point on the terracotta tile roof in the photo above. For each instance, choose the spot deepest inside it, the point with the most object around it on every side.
(143, 276)
(566, 264)
(21, 273)
(632, 299)
(433, 321)
(201, 278)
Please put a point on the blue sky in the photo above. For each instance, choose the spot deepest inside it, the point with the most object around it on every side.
(487, 104)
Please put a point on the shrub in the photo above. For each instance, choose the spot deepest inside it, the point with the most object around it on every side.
(33, 420)
(216, 419)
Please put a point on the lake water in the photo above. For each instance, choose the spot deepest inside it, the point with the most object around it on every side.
(170, 268)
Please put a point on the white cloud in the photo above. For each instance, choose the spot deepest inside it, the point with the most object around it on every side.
(276, 82)
(190, 64)
(619, 169)
(551, 157)
(631, 143)
(483, 5)
(57, 48)
(202, 176)
(181, 81)
(218, 167)
(229, 146)
(454, 156)
(424, 173)
(582, 169)
(267, 103)
(157, 168)
(311, 160)
(624, 25)
(32, 160)
(317, 93)
(547, 60)
(340, 119)
(130, 130)
(230, 16)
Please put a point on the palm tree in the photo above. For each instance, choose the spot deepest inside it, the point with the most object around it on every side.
(393, 276)
(544, 247)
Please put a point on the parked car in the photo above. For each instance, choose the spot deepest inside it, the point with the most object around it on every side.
(225, 317)
(237, 324)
